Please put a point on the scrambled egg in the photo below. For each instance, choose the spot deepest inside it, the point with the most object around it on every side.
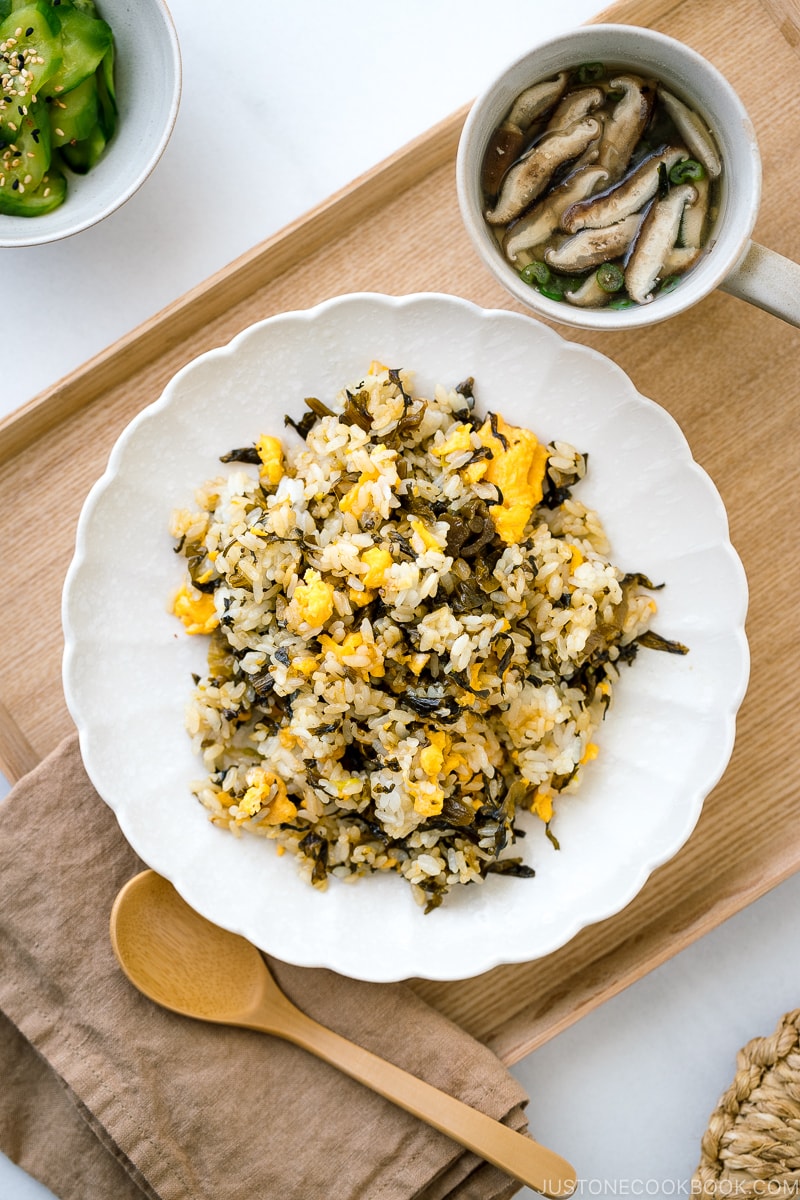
(460, 440)
(306, 664)
(195, 609)
(543, 805)
(359, 599)
(312, 602)
(267, 791)
(576, 557)
(270, 451)
(436, 760)
(427, 796)
(353, 501)
(517, 468)
(431, 758)
(377, 562)
(354, 644)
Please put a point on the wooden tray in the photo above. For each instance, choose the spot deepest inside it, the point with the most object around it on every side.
(726, 371)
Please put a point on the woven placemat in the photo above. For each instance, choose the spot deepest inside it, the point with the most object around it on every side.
(752, 1144)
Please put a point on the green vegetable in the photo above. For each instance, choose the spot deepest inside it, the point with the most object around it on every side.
(79, 116)
(545, 281)
(536, 273)
(654, 641)
(552, 292)
(610, 277)
(84, 40)
(590, 72)
(57, 99)
(48, 195)
(687, 168)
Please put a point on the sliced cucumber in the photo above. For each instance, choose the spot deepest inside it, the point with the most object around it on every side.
(30, 55)
(84, 41)
(81, 156)
(57, 98)
(25, 157)
(76, 115)
(33, 202)
(107, 93)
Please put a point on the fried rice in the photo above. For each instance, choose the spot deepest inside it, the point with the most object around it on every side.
(414, 633)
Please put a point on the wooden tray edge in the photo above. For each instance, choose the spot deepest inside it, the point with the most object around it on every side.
(629, 962)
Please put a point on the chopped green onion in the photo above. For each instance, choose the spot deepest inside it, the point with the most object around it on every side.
(621, 302)
(549, 283)
(670, 283)
(590, 72)
(610, 277)
(687, 168)
(537, 274)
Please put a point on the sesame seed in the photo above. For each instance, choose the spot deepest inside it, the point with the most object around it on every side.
(18, 32)
(21, 189)
(35, 135)
(59, 132)
(27, 179)
(11, 125)
(46, 192)
(29, 31)
(15, 186)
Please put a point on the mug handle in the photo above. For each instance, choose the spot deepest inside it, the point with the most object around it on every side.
(767, 280)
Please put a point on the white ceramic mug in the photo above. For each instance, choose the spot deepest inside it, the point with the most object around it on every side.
(733, 262)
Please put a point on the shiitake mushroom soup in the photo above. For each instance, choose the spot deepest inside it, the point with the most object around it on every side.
(601, 186)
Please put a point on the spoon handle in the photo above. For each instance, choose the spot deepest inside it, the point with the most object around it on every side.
(514, 1153)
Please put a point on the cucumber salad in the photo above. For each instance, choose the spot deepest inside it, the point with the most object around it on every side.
(57, 100)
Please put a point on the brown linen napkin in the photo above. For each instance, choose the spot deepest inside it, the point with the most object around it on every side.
(104, 1094)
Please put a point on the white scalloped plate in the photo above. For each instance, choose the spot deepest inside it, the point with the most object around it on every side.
(667, 739)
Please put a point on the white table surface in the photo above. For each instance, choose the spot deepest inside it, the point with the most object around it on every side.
(322, 92)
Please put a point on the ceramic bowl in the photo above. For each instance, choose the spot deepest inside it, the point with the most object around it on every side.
(148, 85)
(731, 261)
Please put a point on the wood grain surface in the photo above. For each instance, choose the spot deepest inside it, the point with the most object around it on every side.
(727, 372)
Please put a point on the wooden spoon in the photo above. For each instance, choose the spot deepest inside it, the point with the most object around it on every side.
(187, 964)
